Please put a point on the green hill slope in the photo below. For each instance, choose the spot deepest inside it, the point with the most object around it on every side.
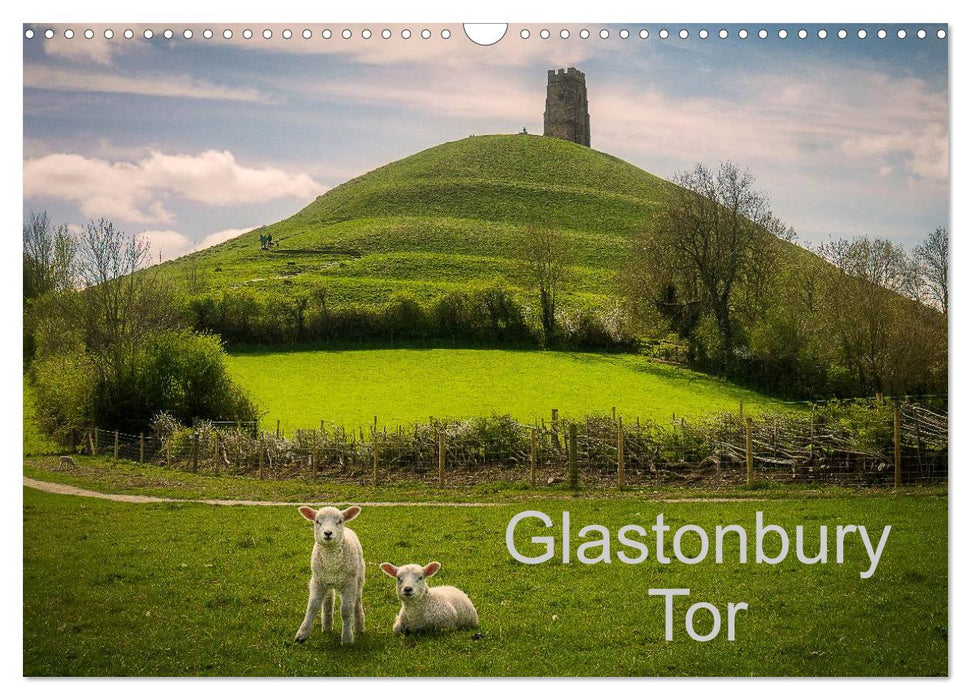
(447, 217)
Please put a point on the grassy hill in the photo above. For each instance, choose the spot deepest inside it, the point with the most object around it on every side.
(445, 218)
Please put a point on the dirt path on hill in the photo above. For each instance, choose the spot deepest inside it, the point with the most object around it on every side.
(65, 489)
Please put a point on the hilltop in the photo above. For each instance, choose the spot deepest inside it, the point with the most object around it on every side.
(444, 218)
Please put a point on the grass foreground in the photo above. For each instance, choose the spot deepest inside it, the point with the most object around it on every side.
(351, 387)
(177, 589)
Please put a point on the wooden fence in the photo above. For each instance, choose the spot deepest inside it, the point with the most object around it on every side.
(882, 443)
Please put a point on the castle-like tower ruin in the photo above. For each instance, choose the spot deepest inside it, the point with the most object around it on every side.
(566, 115)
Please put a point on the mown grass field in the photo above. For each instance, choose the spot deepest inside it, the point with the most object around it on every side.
(190, 589)
(405, 385)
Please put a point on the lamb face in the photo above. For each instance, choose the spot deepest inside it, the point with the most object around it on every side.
(329, 523)
(410, 579)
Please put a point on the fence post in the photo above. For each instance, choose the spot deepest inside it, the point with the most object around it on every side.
(116, 444)
(441, 460)
(749, 457)
(168, 452)
(141, 447)
(215, 450)
(532, 457)
(94, 450)
(897, 466)
(620, 453)
(278, 427)
(259, 463)
(613, 413)
(572, 473)
(375, 450)
(195, 450)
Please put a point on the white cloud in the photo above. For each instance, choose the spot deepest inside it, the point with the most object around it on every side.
(156, 85)
(136, 192)
(94, 50)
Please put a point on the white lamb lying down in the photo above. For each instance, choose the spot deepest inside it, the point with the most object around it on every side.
(337, 566)
(426, 608)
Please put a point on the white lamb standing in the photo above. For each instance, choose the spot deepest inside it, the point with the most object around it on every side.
(337, 566)
(427, 608)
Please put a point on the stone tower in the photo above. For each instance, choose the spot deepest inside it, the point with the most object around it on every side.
(566, 115)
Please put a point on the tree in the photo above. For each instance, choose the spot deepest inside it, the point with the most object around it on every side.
(888, 343)
(546, 255)
(49, 257)
(933, 254)
(708, 259)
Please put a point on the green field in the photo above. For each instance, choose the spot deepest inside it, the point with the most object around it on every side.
(406, 385)
(188, 589)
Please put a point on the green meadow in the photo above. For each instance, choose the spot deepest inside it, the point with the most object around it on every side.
(189, 589)
(351, 387)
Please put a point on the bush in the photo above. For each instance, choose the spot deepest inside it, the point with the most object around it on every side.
(488, 316)
(180, 373)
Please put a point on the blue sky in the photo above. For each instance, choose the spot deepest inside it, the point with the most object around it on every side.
(193, 141)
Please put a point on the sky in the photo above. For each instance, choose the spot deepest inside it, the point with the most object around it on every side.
(194, 141)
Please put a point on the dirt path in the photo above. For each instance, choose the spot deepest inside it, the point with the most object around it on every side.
(64, 489)
(52, 487)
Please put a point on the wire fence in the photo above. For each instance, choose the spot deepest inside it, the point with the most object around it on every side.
(861, 443)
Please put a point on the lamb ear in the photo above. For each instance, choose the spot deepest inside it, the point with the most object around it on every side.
(351, 513)
(307, 512)
(389, 569)
(431, 569)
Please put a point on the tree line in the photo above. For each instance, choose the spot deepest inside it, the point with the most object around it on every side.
(851, 317)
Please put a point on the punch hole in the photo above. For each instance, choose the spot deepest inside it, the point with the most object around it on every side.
(89, 34)
(604, 33)
(524, 34)
(385, 33)
(267, 34)
(366, 34)
(544, 34)
(643, 34)
(743, 33)
(29, 34)
(148, 34)
(585, 34)
(664, 34)
(247, 33)
(446, 34)
(881, 34)
(68, 33)
(327, 34)
(702, 33)
(405, 33)
(861, 34)
(902, 34)
(921, 34)
(187, 34)
(49, 34)
(683, 34)
(802, 34)
(941, 34)
(624, 34)
(722, 33)
(763, 34)
(346, 34)
(483, 34)
(564, 33)
(841, 33)
(109, 33)
(227, 34)
(426, 33)
(783, 34)
(287, 33)
(168, 34)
